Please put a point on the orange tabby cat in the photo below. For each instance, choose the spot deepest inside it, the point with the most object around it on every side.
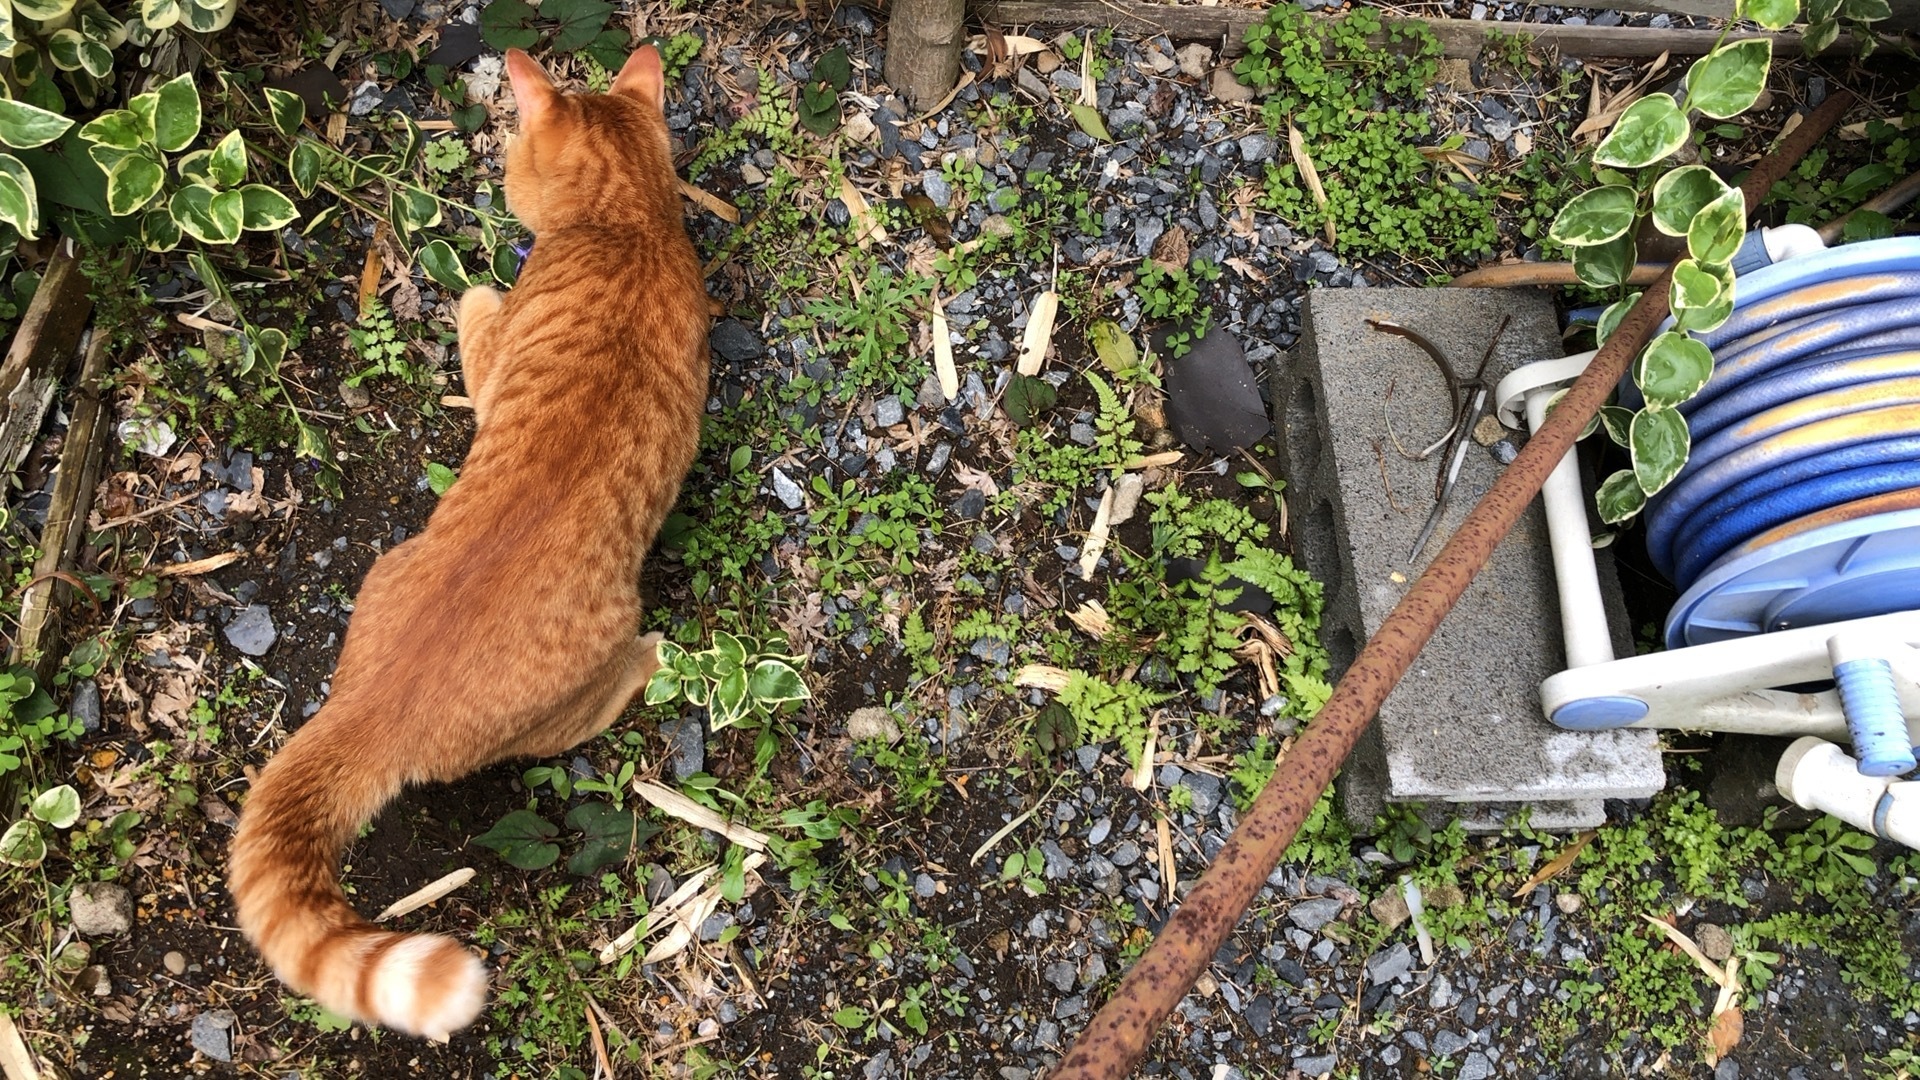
(507, 628)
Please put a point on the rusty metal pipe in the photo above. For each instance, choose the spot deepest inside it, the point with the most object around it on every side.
(1512, 275)
(1117, 1038)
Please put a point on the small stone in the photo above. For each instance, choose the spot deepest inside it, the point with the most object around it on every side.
(1205, 790)
(1062, 975)
(1316, 1066)
(873, 722)
(1448, 1043)
(1256, 147)
(1126, 498)
(888, 411)
(85, 706)
(925, 887)
(936, 188)
(1311, 915)
(1476, 1067)
(1228, 88)
(1568, 903)
(1728, 1069)
(787, 491)
(688, 738)
(252, 630)
(1390, 909)
(357, 397)
(1389, 964)
(175, 962)
(101, 909)
(971, 505)
(1440, 994)
(212, 1033)
(1098, 834)
(734, 341)
(1194, 59)
(1714, 941)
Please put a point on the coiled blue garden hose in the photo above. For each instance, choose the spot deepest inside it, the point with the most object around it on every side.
(1800, 502)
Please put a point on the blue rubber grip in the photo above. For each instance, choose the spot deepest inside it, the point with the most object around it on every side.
(1874, 719)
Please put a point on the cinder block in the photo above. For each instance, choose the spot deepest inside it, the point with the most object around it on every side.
(1465, 725)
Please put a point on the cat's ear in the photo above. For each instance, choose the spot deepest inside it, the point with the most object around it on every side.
(641, 76)
(533, 91)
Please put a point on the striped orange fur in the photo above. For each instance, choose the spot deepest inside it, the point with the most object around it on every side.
(507, 628)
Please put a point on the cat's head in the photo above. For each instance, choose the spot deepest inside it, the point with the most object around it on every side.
(588, 158)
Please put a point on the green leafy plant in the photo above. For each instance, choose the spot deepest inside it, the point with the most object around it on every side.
(1358, 110)
(1689, 202)
(24, 843)
(735, 680)
(1172, 294)
(206, 197)
(566, 25)
(1027, 869)
(820, 96)
(608, 834)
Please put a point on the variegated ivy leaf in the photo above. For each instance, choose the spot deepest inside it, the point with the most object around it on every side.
(1715, 233)
(1680, 194)
(1649, 130)
(1728, 80)
(24, 126)
(1674, 369)
(19, 201)
(1620, 497)
(1659, 444)
(1594, 217)
(176, 114)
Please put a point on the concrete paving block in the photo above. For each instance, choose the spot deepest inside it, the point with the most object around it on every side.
(1465, 725)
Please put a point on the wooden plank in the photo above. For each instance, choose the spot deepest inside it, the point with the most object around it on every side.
(1461, 38)
(44, 342)
(74, 480)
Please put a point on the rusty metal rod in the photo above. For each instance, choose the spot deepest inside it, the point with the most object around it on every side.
(1118, 1036)
(1511, 275)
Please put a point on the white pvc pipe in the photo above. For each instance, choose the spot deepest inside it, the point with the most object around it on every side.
(1818, 775)
(1583, 615)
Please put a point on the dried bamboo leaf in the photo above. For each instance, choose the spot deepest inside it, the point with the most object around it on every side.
(943, 354)
(1151, 461)
(1713, 971)
(1169, 871)
(678, 805)
(1297, 146)
(426, 894)
(866, 227)
(1097, 536)
(712, 203)
(15, 1058)
(1039, 333)
(200, 566)
(1557, 865)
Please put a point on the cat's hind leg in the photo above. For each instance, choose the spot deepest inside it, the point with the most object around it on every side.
(596, 709)
(478, 308)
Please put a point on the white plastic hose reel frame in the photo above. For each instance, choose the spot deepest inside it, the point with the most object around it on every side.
(1818, 775)
(1728, 686)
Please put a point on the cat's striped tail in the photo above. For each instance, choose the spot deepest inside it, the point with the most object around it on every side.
(283, 872)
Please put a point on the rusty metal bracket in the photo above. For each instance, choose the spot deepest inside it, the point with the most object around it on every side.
(1117, 1037)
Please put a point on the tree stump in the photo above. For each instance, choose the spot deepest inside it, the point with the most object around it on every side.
(924, 38)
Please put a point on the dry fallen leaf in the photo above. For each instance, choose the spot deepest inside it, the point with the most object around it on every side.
(1724, 1035)
(1558, 864)
(426, 894)
(1039, 333)
(1297, 146)
(943, 354)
